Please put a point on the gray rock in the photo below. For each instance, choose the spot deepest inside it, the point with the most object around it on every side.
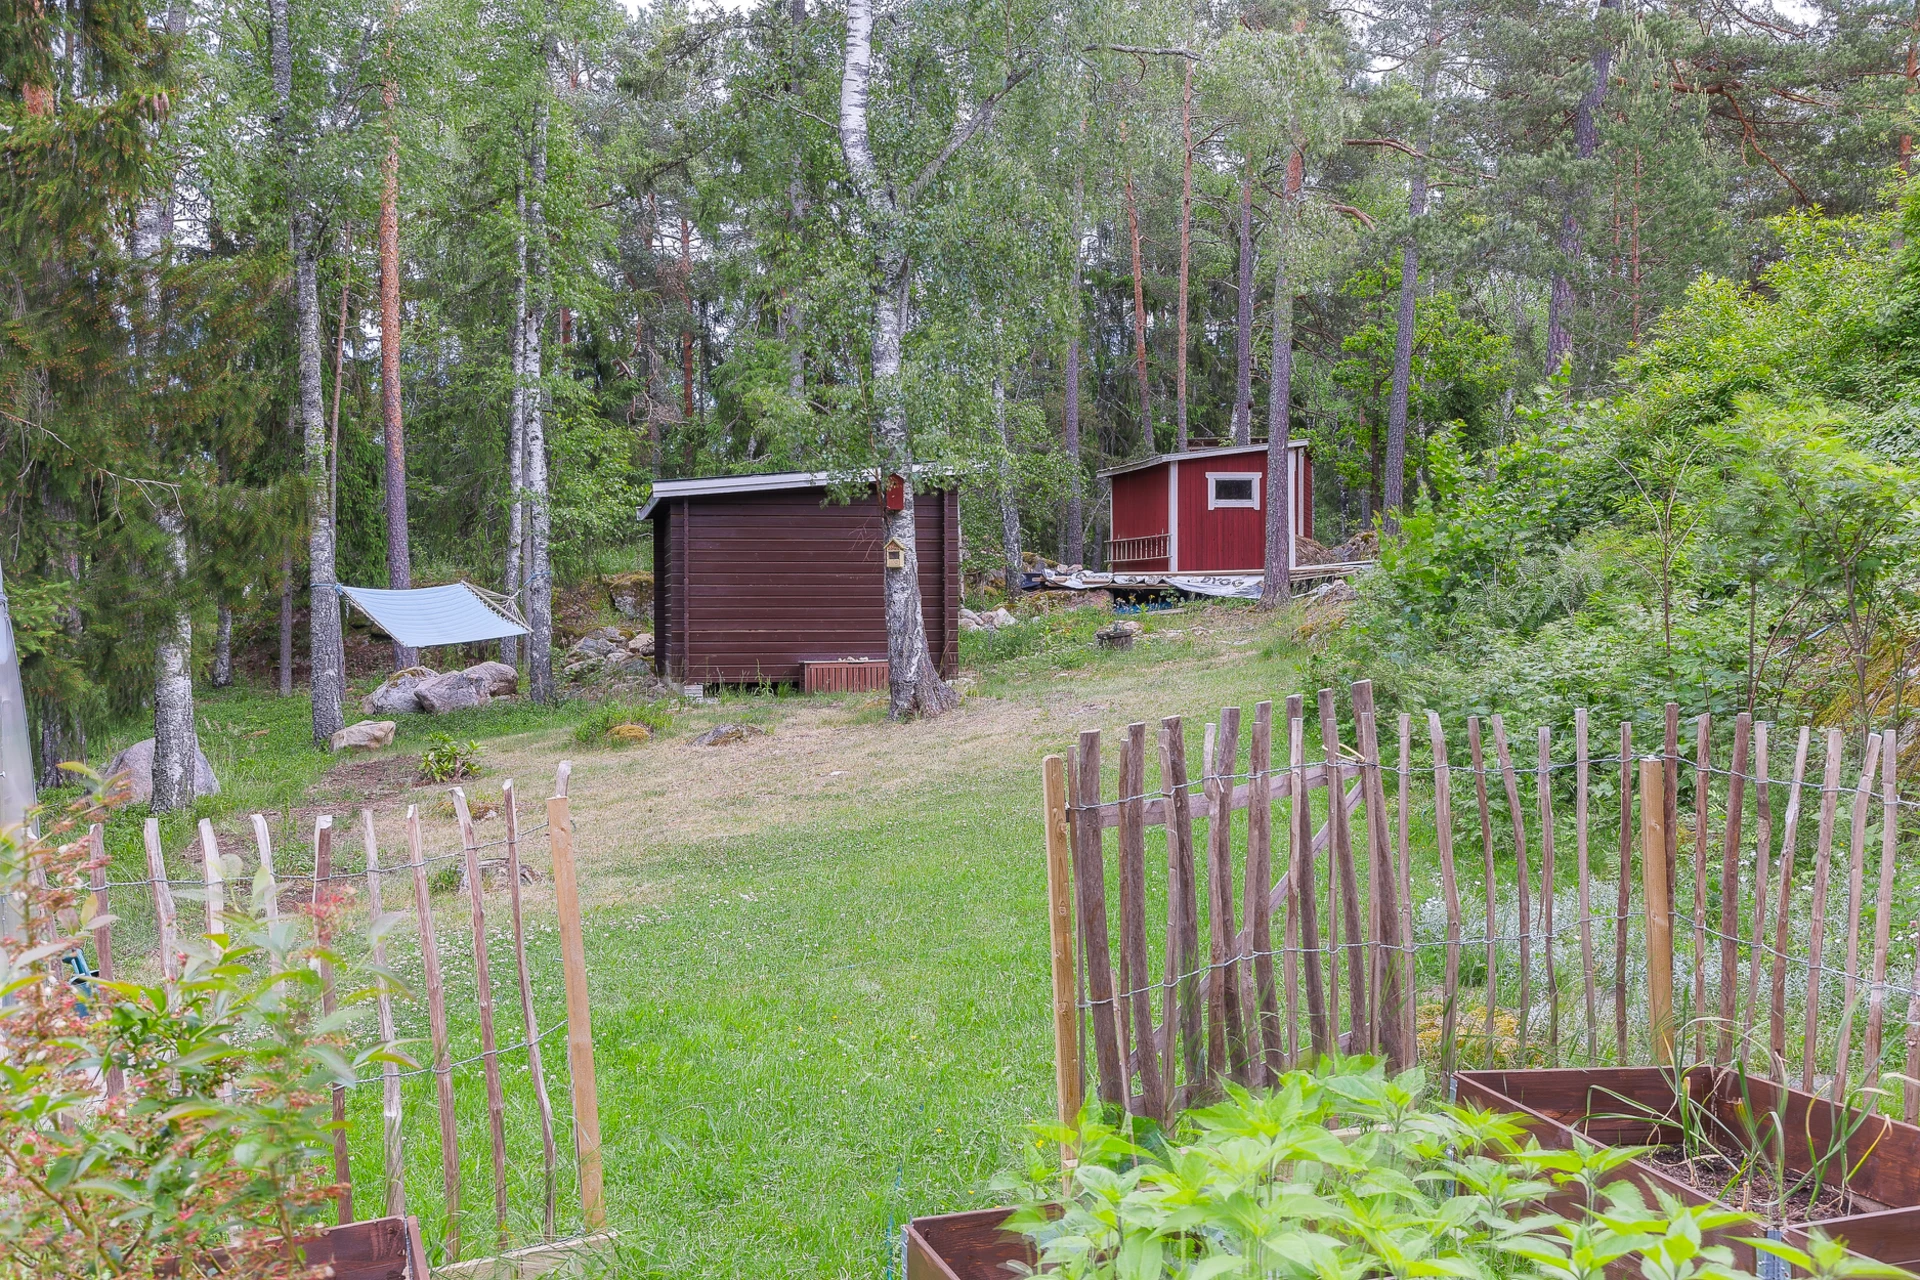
(502, 680)
(453, 691)
(1000, 618)
(641, 644)
(398, 693)
(137, 763)
(722, 734)
(367, 735)
(593, 646)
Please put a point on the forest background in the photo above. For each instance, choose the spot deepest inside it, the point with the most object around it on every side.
(1605, 316)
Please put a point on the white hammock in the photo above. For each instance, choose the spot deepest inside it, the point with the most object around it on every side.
(456, 614)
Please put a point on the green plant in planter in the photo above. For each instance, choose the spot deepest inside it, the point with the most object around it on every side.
(212, 1155)
(1344, 1172)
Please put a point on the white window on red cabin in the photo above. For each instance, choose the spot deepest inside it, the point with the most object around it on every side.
(1233, 489)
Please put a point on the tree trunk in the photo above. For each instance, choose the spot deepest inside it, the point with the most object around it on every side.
(915, 684)
(1186, 259)
(1396, 459)
(1392, 484)
(328, 678)
(175, 743)
(1072, 548)
(540, 682)
(1243, 326)
(1140, 324)
(686, 321)
(1276, 587)
(223, 649)
(399, 561)
(1586, 139)
(1009, 499)
(286, 626)
(517, 423)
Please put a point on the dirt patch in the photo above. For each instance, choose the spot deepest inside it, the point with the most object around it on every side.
(1748, 1188)
(367, 779)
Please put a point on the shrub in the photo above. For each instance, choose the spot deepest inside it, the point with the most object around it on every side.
(446, 760)
(217, 1138)
(599, 725)
(1345, 1172)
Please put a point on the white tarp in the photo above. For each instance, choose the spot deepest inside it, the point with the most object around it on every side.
(455, 614)
(1243, 586)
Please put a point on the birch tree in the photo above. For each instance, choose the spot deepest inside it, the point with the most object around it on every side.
(916, 687)
(325, 653)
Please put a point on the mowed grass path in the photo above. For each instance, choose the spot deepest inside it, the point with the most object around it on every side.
(818, 963)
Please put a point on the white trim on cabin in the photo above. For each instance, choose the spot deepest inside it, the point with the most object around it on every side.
(1215, 502)
(1173, 517)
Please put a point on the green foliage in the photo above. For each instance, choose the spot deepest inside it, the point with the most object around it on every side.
(596, 726)
(1729, 532)
(218, 1138)
(1344, 1172)
(448, 760)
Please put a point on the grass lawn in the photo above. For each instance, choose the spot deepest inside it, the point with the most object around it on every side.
(818, 958)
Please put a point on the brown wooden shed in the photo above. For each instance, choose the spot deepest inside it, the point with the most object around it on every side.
(762, 577)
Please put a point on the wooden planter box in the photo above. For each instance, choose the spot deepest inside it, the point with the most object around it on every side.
(965, 1246)
(1603, 1105)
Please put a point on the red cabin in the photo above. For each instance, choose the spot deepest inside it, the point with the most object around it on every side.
(1202, 511)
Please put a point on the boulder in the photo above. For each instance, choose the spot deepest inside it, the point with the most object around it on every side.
(502, 680)
(971, 621)
(1000, 618)
(722, 734)
(453, 691)
(641, 645)
(398, 693)
(367, 735)
(630, 733)
(631, 595)
(595, 645)
(137, 763)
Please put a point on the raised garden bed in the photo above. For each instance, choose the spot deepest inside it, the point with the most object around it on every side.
(964, 1246)
(1876, 1212)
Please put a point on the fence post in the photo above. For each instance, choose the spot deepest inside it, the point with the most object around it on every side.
(392, 1140)
(1654, 883)
(1066, 1039)
(573, 952)
(323, 896)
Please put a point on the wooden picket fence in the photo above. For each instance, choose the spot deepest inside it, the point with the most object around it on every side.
(1375, 904)
(327, 882)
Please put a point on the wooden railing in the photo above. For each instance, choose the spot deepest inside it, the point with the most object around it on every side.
(1125, 551)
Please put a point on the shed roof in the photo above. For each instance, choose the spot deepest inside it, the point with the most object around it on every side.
(1154, 460)
(766, 482)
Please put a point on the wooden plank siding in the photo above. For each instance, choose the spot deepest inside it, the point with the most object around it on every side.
(758, 584)
(1162, 524)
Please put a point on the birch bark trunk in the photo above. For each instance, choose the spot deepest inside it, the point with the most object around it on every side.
(176, 745)
(539, 585)
(328, 678)
(1009, 502)
(916, 688)
(517, 423)
(223, 649)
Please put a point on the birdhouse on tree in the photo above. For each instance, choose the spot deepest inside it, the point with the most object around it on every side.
(896, 554)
